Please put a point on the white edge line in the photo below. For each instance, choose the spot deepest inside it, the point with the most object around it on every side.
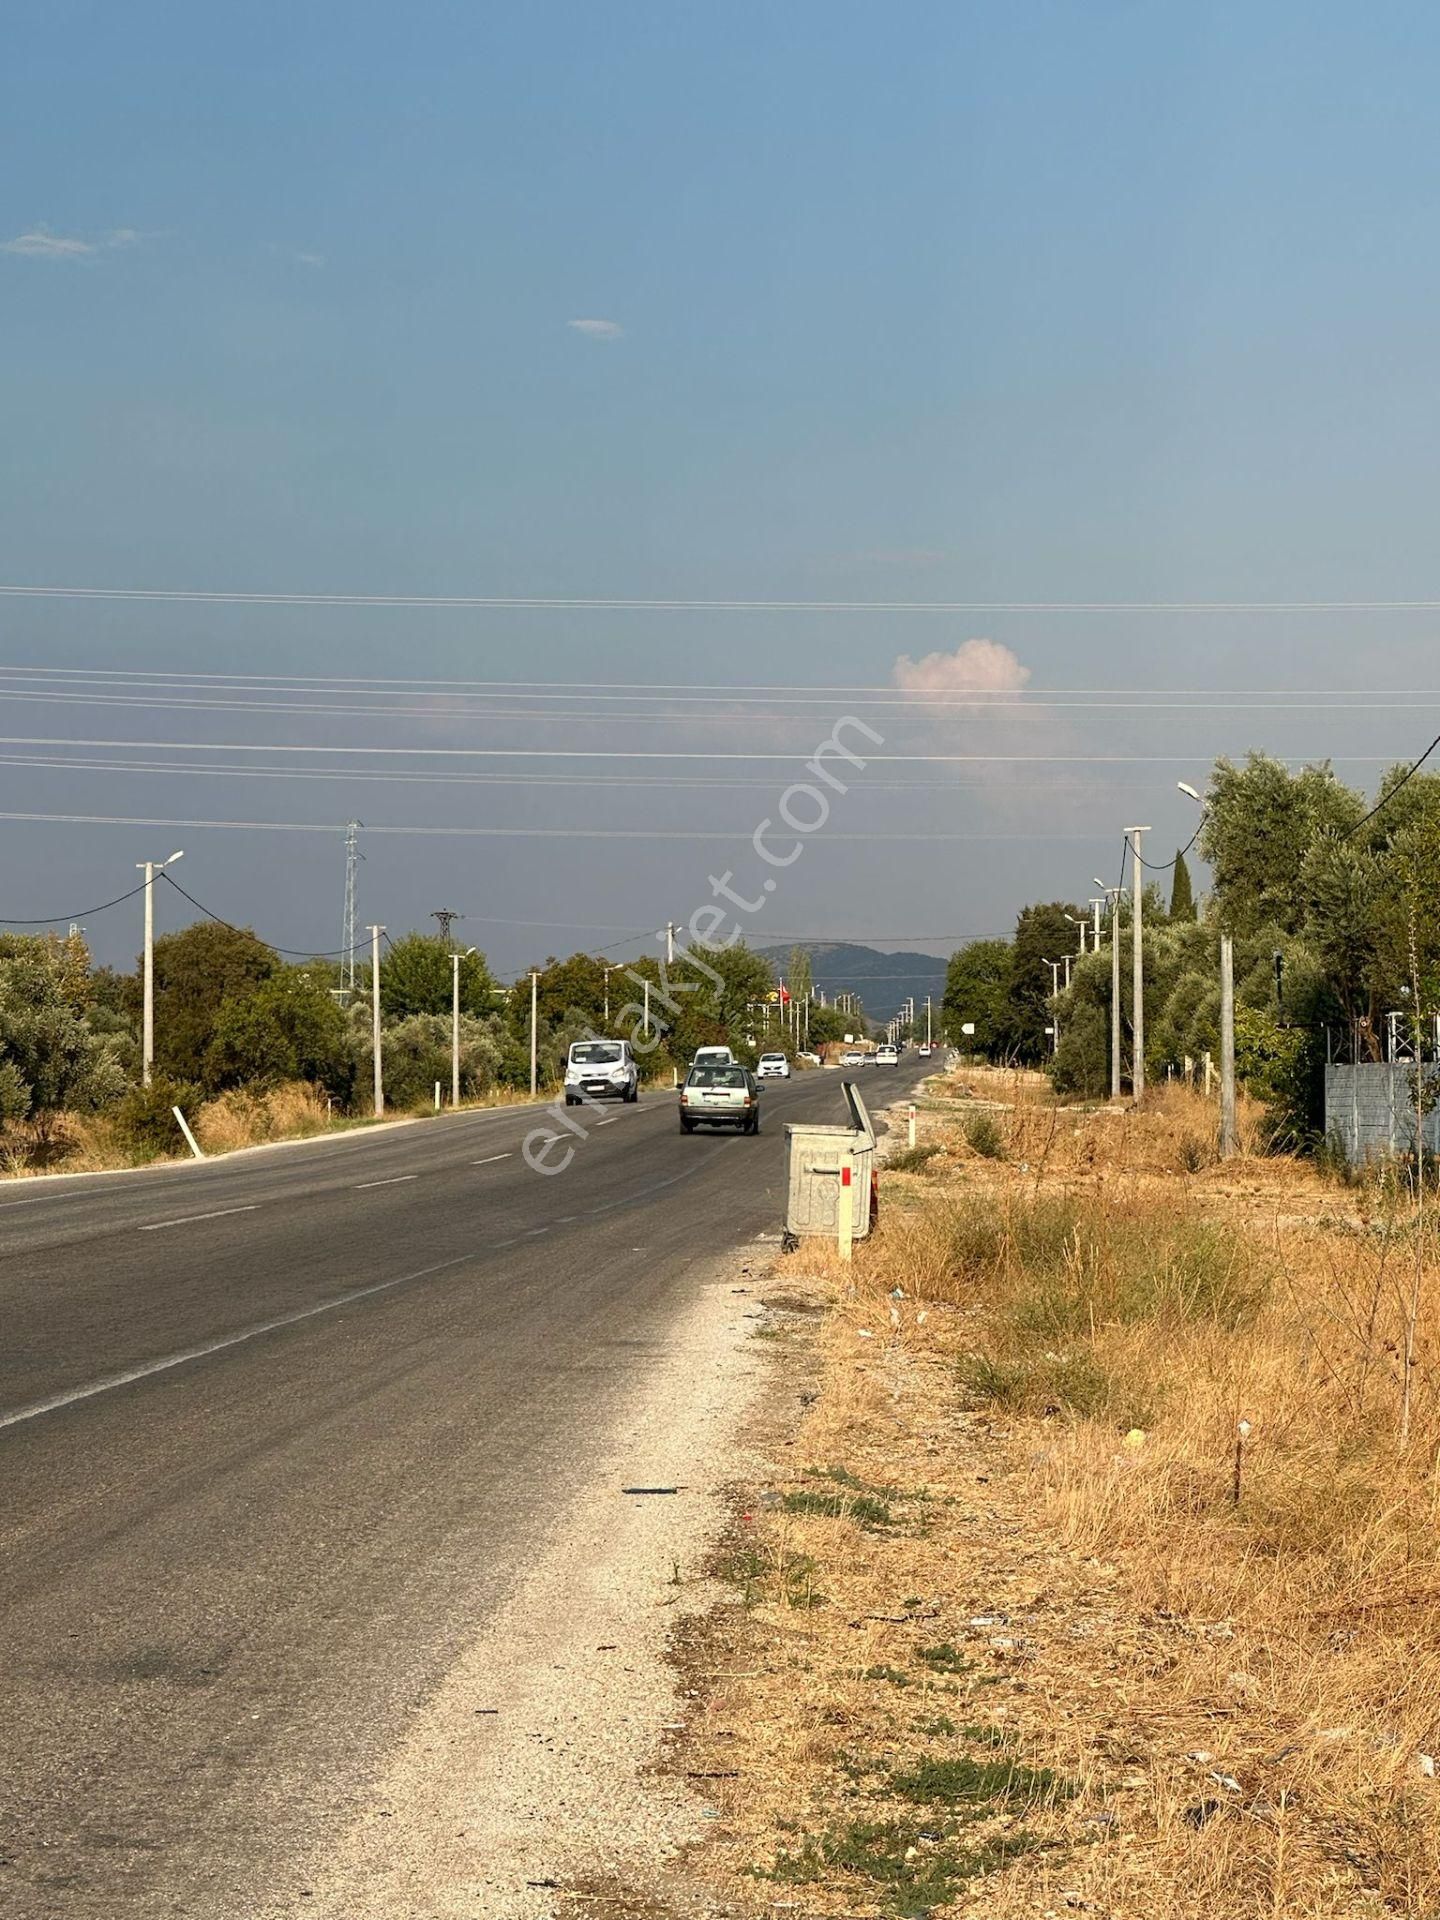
(395, 1180)
(188, 1219)
(73, 1394)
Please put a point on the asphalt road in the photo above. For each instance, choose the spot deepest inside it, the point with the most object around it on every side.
(277, 1434)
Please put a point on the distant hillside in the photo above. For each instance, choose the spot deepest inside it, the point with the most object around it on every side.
(882, 980)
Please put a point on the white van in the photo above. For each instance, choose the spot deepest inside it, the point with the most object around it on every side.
(714, 1057)
(600, 1070)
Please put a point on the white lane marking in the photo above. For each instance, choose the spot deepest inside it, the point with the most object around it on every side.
(7, 1206)
(398, 1180)
(606, 1123)
(492, 1158)
(72, 1394)
(187, 1219)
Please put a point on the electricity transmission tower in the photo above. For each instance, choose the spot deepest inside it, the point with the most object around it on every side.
(353, 856)
(447, 916)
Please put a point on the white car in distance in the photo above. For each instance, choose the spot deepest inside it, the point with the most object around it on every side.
(772, 1066)
(887, 1057)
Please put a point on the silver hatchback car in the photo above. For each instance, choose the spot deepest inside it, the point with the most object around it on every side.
(720, 1097)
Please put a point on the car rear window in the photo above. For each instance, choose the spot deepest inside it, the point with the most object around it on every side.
(717, 1077)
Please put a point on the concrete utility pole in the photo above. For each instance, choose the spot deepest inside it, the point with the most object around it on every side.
(1229, 1134)
(607, 971)
(535, 1032)
(929, 1040)
(1054, 966)
(669, 942)
(1137, 888)
(147, 1041)
(455, 960)
(1114, 895)
(375, 933)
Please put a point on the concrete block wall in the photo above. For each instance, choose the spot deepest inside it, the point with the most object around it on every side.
(1370, 1110)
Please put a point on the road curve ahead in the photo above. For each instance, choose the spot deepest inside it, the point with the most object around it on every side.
(278, 1434)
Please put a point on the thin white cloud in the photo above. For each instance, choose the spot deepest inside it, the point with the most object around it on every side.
(976, 666)
(307, 258)
(41, 244)
(597, 329)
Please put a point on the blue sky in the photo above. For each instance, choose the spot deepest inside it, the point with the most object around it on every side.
(1018, 302)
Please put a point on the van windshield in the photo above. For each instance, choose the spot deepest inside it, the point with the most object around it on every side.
(595, 1053)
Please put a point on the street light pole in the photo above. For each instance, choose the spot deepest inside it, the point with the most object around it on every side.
(1054, 966)
(1114, 895)
(375, 933)
(147, 1034)
(534, 1032)
(455, 959)
(1229, 1135)
(1137, 889)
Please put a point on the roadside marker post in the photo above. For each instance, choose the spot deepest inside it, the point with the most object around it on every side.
(845, 1210)
(192, 1142)
(911, 1140)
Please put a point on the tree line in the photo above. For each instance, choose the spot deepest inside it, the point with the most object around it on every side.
(232, 1014)
(1331, 899)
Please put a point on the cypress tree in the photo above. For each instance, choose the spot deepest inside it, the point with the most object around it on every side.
(1182, 898)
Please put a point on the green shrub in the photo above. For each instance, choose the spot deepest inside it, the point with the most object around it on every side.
(864, 1508)
(983, 1136)
(144, 1122)
(911, 1159)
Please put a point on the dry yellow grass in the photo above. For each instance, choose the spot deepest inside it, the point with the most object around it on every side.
(243, 1119)
(1242, 1698)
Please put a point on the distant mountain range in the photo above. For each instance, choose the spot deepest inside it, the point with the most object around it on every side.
(884, 981)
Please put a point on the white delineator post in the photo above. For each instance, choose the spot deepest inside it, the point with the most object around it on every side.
(911, 1140)
(375, 933)
(1229, 1134)
(1137, 890)
(845, 1206)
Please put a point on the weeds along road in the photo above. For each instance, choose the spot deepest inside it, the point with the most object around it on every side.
(278, 1434)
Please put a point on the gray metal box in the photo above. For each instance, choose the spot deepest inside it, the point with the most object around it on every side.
(814, 1155)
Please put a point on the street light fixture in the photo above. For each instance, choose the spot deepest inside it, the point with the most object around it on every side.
(147, 1036)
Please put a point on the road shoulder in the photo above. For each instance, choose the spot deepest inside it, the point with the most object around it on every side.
(536, 1768)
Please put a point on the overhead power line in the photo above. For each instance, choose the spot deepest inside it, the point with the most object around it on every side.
(723, 837)
(1409, 775)
(628, 690)
(619, 781)
(921, 706)
(298, 953)
(796, 758)
(85, 913)
(524, 603)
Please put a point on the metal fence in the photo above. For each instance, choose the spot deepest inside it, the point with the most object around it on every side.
(1370, 1108)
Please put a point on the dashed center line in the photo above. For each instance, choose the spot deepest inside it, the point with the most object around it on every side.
(187, 1219)
(395, 1181)
(490, 1159)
